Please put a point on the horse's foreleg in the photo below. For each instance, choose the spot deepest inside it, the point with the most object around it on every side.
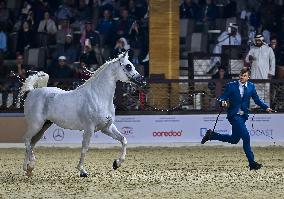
(85, 146)
(115, 134)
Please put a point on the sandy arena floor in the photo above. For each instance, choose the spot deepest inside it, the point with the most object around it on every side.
(193, 172)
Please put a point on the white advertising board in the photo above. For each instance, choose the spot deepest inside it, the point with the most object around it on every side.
(174, 128)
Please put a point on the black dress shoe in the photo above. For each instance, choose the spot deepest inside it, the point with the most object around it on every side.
(207, 136)
(254, 166)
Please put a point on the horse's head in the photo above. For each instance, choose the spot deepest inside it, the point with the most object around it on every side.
(127, 71)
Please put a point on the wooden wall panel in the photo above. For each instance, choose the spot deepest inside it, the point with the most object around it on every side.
(164, 38)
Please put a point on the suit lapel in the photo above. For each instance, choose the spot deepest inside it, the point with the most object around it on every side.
(237, 89)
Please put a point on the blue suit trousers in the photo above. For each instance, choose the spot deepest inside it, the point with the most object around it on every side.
(239, 131)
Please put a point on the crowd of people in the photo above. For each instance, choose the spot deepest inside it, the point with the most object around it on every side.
(73, 34)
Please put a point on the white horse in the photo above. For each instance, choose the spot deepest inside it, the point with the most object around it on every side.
(89, 108)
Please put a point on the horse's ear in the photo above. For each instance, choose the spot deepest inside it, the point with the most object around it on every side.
(125, 55)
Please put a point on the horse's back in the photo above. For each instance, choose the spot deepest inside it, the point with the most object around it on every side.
(37, 101)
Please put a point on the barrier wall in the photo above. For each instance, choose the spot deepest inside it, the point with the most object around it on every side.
(154, 129)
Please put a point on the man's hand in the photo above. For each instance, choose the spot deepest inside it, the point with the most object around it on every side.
(250, 59)
(270, 76)
(269, 110)
(224, 104)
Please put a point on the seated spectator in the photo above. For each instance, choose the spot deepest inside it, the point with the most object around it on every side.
(5, 15)
(19, 72)
(64, 12)
(124, 24)
(20, 69)
(188, 10)
(120, 47)
(230, 9)
(89, 33)
(136, 40)
(216, 87)
(47, 25)
(83, 13)
(61, 70)
(83, 72)
(25, 8)
(105, 28)
(89, 57)
(3, 40)
(46, 29)
(63, 30)
(4, 88)
(25, 38)
(67, 49)
(209, 12)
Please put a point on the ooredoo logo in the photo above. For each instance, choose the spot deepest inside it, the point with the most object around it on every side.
(127, 130)
(167, 133)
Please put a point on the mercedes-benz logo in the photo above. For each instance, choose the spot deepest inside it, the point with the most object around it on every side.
(58, 134)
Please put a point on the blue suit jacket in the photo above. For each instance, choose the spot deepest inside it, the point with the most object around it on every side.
(236, 102)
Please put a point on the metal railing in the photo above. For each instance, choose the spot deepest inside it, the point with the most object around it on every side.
(161, 95)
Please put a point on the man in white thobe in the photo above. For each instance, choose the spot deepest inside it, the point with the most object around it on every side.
(262, 61)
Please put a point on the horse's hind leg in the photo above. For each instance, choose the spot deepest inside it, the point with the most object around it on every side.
(33, 134)
(39, 135)
(115, 134)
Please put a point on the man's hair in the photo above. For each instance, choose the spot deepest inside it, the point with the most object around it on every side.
(245, 70)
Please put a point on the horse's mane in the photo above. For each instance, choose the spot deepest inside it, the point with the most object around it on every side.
(100, 69)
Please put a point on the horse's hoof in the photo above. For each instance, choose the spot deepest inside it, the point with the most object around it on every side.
(115, 165)
(84, 174)
(29, 171)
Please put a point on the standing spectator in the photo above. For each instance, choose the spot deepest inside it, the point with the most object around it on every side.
(25, 38)
(278, 51)
(254, 19)
(3, 40)
(228, 37)
(262, 59)
(188, 10)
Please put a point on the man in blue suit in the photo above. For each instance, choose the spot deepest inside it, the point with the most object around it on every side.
(238, 93)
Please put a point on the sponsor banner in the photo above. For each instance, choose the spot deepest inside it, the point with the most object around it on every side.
(174, 128)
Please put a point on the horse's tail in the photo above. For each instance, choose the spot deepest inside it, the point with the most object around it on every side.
(37, 80)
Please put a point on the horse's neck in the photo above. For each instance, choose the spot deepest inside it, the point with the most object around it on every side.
(104, 84)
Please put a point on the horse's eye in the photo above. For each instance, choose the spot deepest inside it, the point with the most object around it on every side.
(128, 67)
